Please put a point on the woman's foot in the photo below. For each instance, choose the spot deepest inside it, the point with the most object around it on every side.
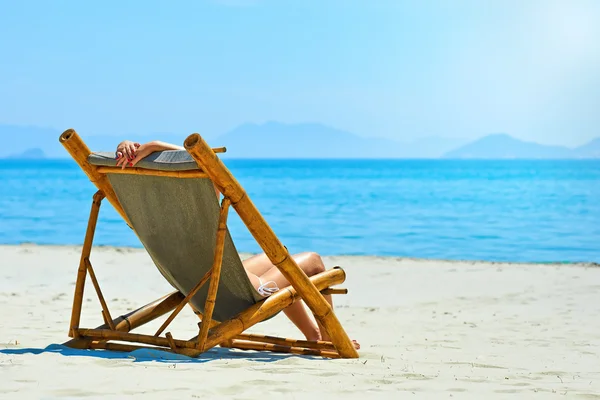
(316, 336)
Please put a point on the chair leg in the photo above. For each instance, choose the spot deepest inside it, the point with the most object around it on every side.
(82, 271)
(249, 345)
(105, 312)
(211, 297)
(317, 345)
(134, 319)
(131, 347)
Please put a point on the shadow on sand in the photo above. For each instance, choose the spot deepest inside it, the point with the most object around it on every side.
(142, 355)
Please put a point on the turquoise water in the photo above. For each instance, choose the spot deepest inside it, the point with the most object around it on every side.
(538, 211)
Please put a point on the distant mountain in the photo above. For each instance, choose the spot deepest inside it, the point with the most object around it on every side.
(503, 146)
(311, 140)
(30, 154)
(278, 140)
(589, 150)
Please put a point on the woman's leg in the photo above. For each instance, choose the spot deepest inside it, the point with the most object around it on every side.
(261, 267)
(258, 264)
(311, 264)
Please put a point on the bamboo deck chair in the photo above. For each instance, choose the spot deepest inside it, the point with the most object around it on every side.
(169, 200)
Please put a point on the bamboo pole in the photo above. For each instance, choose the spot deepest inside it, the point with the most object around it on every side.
(118, 346)
(131, 347)
(334, 291)
(121, 347)
(107, 334)
(266, 238)
(183, 302)
(151, 172)
(245, 345)
(136, 318)
(105, 310)
(80, 153)
(209, 304)
(149, 312)
(106, 320)
(81, 272)
(253, 337)
(172, 344)
(267, 308)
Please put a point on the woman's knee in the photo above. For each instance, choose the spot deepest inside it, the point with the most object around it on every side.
(311, 263)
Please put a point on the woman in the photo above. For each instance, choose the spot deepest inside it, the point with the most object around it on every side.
(264, 276)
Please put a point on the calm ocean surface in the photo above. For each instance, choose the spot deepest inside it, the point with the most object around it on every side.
(477, 210)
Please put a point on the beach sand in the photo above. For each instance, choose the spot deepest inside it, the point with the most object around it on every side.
(428, 329)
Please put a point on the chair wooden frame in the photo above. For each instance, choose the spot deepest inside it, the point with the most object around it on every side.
(211, 333)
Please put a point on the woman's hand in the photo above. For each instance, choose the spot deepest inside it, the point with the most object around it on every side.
(142, 151)
(126, 150)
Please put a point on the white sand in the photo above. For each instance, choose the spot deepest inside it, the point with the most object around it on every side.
(430, 329)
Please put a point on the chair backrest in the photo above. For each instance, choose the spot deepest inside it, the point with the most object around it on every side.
(176, 221)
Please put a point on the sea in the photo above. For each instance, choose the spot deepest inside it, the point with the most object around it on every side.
(509, 210)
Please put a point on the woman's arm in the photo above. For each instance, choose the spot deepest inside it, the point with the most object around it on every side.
(160, 146)
(128, 158)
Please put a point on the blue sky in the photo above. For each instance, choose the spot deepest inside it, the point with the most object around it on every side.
(395, 69)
